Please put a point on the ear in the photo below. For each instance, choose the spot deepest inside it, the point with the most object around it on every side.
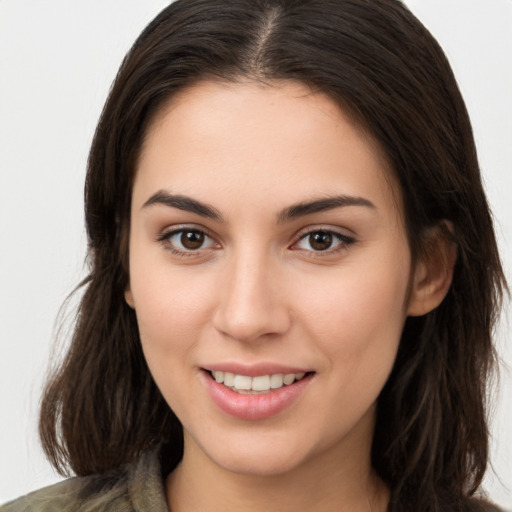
(433, 273)
(128, 297)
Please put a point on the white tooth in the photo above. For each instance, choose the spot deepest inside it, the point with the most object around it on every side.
(242, 382)
(276, 381)
(299, 376)
(218, 376)
(261, 383)
(289, 378)
(229, 379)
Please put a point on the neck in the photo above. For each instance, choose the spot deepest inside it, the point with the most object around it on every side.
(323, 485)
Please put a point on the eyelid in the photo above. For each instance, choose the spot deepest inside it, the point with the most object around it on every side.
(166, 234)
(344, 238)
(177, 228)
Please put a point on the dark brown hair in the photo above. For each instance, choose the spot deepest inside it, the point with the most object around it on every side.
(102, 408)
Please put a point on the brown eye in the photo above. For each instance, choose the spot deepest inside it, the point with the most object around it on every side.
(320, 240)
(187, 241)
(323, 240)
(192, 240)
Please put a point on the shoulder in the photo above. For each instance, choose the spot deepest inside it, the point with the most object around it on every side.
(56, 497)
(74, 494)
(135, 486)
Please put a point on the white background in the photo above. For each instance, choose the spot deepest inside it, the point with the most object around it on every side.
(57, 60)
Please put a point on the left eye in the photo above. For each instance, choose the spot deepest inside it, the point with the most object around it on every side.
(189, 240)
(322, 240)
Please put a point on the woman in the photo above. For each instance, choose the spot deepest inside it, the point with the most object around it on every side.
(294, 274)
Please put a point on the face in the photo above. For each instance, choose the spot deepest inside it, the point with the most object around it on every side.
(269, 270)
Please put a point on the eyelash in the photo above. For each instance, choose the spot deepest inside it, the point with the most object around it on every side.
(343, 240)
(165, 240)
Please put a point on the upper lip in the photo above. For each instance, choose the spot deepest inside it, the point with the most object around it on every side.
(253, 370)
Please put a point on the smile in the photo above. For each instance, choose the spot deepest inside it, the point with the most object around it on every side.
(259, 396)
(260, 384)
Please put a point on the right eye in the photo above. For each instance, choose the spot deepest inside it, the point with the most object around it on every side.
(186, 241)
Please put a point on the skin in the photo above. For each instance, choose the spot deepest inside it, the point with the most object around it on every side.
(258, 291)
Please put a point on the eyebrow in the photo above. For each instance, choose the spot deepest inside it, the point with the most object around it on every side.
(292, 212)
(321, 205)
(184, 203)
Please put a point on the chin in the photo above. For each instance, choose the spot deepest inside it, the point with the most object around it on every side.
(257, 464)
(256, 456)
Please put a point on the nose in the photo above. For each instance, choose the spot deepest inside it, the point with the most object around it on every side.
(252, 304)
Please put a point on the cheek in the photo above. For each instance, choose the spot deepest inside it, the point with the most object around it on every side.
(358, 332)
(357, 317)
(358, 303)
(169, 312)
(169, 317)
(171, 304)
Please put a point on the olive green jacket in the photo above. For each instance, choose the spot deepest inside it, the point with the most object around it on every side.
(135, 487)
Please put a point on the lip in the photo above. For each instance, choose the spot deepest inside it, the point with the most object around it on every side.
(259, 406)
(254, 370)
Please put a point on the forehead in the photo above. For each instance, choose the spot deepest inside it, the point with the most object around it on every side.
(281, 138)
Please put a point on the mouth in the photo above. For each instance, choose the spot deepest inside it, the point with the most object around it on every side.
(259, 395)
(257, 385)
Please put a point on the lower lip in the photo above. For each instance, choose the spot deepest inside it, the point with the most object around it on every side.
(255, 407)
